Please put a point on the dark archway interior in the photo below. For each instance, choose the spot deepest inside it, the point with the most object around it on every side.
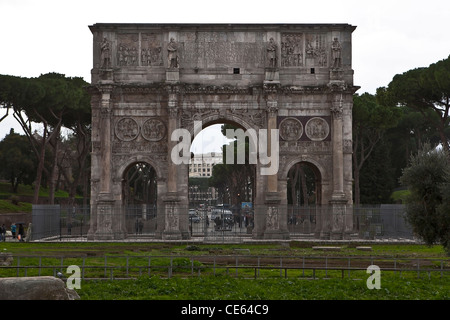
(139, 191)
(139, 184)
(303, 185)
(304, 195)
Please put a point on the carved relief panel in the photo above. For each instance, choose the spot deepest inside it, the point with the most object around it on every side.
(317, 129)
(151, 50)
(304, 50)
(304, 128)
(292, 50)
(140, 135)
(316, 50)
(153, 130)
(291, 129)
(128, 49)
(304, 134)
(127, 129)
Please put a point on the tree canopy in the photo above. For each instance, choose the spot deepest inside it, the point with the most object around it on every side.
(424, 89)
(17, 160)
(370, 122)
(51, 101)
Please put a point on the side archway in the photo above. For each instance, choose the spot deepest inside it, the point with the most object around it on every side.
(304, 192)
(139, 197)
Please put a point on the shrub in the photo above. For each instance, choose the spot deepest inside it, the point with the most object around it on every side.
(427, 207)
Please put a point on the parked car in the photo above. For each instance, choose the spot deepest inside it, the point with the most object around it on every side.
(193, 217)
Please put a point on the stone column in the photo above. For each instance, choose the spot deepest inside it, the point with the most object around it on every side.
(171, 127)
(107, 216)
(171, 199)
(105, 124)
(272, 112)
(276, 217)
(337, 213)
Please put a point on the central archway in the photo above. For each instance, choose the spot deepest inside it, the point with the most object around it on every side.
(233, 185)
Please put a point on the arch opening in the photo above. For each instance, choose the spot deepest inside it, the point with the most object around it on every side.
(139, 198)
(221, 194)
(304, 193)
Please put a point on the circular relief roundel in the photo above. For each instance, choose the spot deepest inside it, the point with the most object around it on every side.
(317, 129)
(291, 129)
(127, 129)
(153, 130)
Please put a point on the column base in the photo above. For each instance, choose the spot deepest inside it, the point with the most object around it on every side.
(172, 235)
(276, 235)
(339, 214)
(175, 218)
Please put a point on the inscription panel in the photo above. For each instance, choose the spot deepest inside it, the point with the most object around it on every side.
(221, 49)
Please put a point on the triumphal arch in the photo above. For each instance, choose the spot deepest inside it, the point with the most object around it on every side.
(151, 82)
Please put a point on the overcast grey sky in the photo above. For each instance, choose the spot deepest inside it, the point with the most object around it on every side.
(392, 36)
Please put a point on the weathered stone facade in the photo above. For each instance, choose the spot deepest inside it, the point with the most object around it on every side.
(150, 79)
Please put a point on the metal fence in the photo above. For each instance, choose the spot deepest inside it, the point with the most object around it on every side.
(246, 266)
(57, 222)
(368, 222)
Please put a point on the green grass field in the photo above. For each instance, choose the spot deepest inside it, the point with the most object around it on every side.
(186, 284)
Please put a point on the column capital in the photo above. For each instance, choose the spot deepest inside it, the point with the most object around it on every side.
(337, 106)
(272, 108)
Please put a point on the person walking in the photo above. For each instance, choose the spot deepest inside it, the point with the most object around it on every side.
(2, 233)
(13, 230)
(21, 232)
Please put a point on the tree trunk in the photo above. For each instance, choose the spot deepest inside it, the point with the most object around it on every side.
(54, 170)
(40, 169)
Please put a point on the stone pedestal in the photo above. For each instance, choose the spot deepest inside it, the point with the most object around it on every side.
(172, 75)
(272, 75)
(172, 217)
(339, 217)
(336, 75)
(276, 218)
(109, 220)
(106, 75)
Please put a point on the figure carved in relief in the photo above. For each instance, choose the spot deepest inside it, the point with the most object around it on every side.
(336, 53)
(272, 54)
(172, 55)
(133, 56)
(153, 130)
(272, 218)
(291, 129)
(315, 50)
(127, 129)
(121, 56)
(317, 129)
(105, 54)
(291, 50)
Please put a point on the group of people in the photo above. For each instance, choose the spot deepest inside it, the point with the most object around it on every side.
(16, 232)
